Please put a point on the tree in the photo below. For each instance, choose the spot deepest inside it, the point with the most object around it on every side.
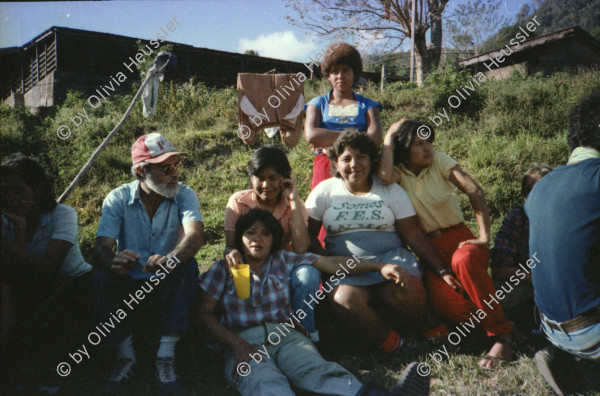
(251, 52)
(560, 14)
(389, 20)
(537, 4)
(472, 22)
(396, 64)
(552, 15)
(523, 13)
(463, 43)
(503, 36)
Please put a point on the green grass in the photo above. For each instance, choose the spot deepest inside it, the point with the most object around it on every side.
(518, 121)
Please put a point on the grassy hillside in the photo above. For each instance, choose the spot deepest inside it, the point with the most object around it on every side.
(499, 131)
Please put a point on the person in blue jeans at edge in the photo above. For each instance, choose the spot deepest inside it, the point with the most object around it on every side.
(156, 226)
(564, 236)
(274, 191)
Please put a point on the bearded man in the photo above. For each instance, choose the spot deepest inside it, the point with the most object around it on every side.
(148, 235)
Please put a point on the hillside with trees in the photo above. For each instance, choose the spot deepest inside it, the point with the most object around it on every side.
(553, 15)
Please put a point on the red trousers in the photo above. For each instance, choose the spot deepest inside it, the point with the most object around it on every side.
(470, 263)
(321, 171)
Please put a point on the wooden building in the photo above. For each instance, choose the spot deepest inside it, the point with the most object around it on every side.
(562, 50)
(39, 73)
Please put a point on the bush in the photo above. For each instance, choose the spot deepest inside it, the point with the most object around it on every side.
(449, 82)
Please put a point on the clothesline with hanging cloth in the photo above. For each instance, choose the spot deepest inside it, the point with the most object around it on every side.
(150, 95)
(164, 63)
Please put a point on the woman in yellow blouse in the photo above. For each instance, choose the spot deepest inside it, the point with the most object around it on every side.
(429, 178)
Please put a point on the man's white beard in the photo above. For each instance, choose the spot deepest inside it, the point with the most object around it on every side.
(161, 189)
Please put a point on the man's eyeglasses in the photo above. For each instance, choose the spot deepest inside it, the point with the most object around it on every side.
(169, 169)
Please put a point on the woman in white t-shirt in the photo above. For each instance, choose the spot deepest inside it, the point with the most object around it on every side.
(370, 221)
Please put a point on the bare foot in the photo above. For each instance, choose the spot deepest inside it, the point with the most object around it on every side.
(501, 351)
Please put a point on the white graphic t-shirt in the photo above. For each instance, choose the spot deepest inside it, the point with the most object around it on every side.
(341, 212)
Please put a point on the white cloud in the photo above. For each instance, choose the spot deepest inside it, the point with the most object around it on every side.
(280, 45)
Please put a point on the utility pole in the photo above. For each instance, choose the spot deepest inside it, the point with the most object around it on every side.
(412, 41)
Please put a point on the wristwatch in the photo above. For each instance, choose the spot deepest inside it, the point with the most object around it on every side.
(446, 271)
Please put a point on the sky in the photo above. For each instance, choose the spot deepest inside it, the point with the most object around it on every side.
(227, 25)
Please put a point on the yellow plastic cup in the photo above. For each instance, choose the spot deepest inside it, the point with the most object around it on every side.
(241, 279)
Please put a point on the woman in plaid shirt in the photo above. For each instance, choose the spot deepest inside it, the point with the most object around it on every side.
(511, 248)
(262, 329)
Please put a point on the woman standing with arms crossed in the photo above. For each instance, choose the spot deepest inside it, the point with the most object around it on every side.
(428, 176)
(339, 109)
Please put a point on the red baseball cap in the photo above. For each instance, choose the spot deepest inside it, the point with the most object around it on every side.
(152, 148)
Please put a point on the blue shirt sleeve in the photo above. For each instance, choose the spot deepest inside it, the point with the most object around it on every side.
(368, 103)
(111, 220)
(317, 102)
(189, 206)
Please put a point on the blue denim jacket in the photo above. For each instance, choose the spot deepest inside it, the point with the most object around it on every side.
(124, 218)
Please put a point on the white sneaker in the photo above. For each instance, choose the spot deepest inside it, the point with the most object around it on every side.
(120, 375)
(167, 376)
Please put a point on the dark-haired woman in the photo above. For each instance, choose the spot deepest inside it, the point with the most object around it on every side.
(368, 220)
(274, 191)
(39, 253)
(429, 178)
(339, 109)
(266, 352)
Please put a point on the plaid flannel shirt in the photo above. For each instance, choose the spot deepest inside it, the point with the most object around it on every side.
(511, 245)
(269, 299)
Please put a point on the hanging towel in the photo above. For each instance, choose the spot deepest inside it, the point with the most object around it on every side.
(271, 102)
(150, 94)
